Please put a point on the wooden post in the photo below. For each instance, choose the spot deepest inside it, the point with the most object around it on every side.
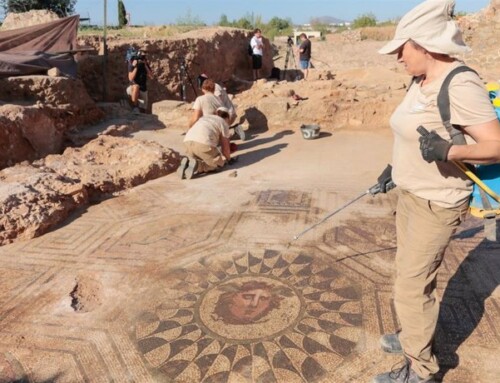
(105, 53)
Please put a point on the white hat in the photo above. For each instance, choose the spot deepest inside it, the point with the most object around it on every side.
(431, 25)
(223, 109)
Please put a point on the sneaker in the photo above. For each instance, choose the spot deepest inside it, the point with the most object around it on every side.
(191, 168)
(403, 374)
(182, 167)
(240, 132)
(390, 343)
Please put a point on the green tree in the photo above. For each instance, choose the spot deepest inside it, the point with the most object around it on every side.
(365, 20)
(122, 14)
(244, 23)
(62, 7)
(278, 24)
(224, 21)
(189, 19)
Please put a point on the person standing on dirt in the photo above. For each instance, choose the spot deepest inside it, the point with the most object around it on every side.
(202, 144)
(433, 193)
(222, 95)
(138, 73)
(205, 104)
(305, 54)
(257, 46)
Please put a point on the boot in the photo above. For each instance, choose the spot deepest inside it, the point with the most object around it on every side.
(390, 343)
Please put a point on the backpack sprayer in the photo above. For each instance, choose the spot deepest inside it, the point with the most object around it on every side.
(375, 189)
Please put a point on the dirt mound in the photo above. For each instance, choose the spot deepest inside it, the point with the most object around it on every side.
(219, 52)
(357, 98)
(27, 19)
(333, 104)
(49, 108)
(32, 200)
(35, 198)
(481, 34)
(109, 164)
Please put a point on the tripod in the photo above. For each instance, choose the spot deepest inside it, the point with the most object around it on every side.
(290, 56)
(184, 79)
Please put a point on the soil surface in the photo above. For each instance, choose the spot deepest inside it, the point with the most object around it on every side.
(202, 281)
(160, 258)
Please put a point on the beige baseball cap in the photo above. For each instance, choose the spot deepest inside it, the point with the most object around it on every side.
(431, 25)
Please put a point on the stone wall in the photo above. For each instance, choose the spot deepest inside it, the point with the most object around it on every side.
(218, 52)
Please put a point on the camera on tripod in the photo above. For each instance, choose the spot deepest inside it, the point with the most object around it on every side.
(290, 41)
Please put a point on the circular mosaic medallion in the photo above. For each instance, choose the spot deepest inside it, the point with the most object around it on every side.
(249, 308)
(254, 317)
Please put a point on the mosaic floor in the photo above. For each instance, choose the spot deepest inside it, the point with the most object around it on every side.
(179, 295)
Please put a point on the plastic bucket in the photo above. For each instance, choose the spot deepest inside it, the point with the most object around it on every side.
(310, 132)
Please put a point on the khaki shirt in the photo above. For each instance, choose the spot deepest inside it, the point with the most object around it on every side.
(208, 130)
(440, 182)
(208, 104)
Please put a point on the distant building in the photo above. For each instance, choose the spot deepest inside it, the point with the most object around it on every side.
(309, 33)
(331, 27)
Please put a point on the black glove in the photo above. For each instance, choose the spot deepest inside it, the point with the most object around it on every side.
(432, 146)
(232, 160)
(385, 180)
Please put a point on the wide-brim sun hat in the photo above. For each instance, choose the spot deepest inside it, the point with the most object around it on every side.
(430, 25)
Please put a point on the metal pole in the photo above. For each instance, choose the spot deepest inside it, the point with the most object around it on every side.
(105, 52)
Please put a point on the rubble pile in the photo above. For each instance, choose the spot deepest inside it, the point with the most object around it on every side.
(481, 31)
(38, 113)
(27, 19)
(35, 198)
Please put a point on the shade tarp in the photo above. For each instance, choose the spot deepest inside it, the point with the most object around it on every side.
(35, 49)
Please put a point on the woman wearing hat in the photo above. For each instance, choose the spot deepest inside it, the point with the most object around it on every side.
(433, 193)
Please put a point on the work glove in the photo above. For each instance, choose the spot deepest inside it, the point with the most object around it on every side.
(385, 180)
(432, 146)
(232, 160)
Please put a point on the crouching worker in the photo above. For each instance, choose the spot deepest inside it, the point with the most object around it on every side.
(202, 142)
(225, 101)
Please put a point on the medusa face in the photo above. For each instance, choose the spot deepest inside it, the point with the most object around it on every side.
(248, 305)
(248, 302)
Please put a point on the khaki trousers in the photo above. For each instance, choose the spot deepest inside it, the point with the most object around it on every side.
(210, 158)
(423, 233)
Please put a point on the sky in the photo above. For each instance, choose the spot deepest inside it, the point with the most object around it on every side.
(159, 12)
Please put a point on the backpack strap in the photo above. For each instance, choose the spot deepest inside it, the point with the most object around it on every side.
(443, 103)
(458, 138)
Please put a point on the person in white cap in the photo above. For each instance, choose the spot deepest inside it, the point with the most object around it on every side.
(433, 193)
(202, 141)
(221, 94)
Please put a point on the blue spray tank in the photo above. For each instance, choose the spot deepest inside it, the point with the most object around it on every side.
(489, 174)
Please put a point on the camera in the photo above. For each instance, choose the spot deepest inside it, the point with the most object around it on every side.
(136, 55)
(290, 41)
(139, 56)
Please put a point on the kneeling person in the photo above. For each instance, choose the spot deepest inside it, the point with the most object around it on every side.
(202, 142)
